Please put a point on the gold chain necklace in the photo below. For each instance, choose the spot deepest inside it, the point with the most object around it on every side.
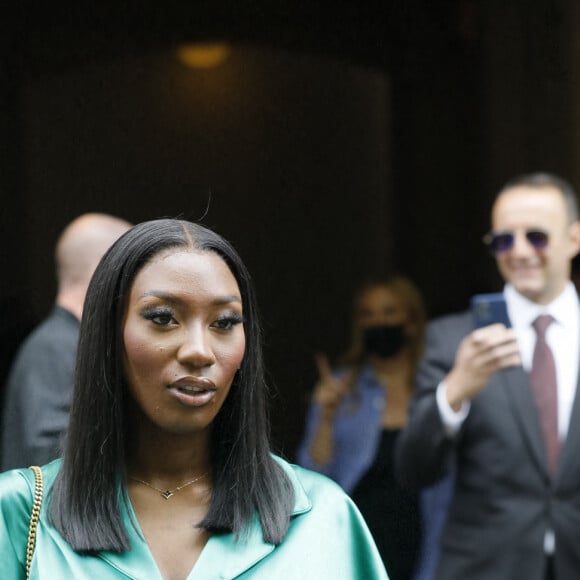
(166, 494)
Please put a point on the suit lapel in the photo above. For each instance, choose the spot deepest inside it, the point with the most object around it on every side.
(517, 388)
(569, 453)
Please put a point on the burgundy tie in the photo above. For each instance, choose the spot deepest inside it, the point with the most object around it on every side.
(545, 390)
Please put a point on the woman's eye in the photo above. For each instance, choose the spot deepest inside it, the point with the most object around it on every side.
(227, 322)
(159, 317)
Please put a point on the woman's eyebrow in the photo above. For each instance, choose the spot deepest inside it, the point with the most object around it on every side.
(174, 298)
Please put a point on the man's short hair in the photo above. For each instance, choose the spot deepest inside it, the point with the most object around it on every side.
(542, 179)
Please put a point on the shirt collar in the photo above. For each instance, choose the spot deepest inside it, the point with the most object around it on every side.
(523, 311)
(222, 557)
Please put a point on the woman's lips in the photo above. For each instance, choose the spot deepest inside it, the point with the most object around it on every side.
(193, 391)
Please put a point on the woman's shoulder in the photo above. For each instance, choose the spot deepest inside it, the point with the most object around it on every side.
(16, 499)
(323, 509)
(312, 485)
(17, 485)
(16, 496)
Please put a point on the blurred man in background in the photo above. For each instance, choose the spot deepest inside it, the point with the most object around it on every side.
(39, 387)
(502, 404)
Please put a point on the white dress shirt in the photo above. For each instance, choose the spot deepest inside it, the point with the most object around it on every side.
(562, 336)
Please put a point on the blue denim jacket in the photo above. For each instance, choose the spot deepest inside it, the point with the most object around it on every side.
(357, 430)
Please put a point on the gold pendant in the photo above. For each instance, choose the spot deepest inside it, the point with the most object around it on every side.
(167, 494)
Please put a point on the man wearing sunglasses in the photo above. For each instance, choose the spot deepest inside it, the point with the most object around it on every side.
(501, 403)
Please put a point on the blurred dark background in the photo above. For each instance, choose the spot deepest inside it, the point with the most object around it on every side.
(332, 141)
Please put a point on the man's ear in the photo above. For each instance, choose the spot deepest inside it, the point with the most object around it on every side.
(574, 232)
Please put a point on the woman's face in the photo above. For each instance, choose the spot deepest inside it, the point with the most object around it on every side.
(184, 338)
(378, 306)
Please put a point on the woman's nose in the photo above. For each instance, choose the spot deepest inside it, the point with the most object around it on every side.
(196, 348)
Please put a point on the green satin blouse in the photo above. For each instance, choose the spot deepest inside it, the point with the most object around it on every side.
(327, 539)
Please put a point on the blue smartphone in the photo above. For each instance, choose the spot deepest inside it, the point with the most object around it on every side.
(488, 309)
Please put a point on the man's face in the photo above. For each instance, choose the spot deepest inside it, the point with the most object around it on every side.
(539, 274)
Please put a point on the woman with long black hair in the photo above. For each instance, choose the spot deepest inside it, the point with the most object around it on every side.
(167, 470)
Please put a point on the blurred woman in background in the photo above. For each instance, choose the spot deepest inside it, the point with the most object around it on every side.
(358, 410)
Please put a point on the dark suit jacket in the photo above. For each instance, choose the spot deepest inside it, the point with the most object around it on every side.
(38, 392)
(504, 500)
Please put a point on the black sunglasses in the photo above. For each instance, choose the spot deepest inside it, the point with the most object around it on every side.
(499, 242)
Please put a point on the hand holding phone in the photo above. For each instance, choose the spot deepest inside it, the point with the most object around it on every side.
(484, 351)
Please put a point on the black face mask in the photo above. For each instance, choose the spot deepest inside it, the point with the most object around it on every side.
(385, 340)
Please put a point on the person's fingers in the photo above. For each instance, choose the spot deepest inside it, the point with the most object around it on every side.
(344, 382)
(323, 366)
(492, 335)
(499, 357)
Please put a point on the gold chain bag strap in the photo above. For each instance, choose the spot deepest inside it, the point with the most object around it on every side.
(34, 517)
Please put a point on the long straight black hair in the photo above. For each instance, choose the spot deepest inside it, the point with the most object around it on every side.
(85, 499)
